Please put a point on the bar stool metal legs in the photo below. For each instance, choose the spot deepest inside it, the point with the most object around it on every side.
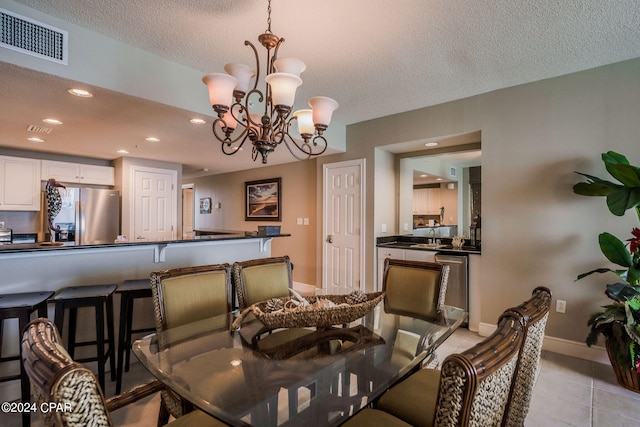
(129, 291)
(21, 306)
(100, 297)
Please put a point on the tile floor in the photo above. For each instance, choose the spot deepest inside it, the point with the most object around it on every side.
(569, 392)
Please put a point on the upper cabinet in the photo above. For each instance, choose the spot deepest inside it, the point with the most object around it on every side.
(426, 201)
(20, 184)
(78, 173)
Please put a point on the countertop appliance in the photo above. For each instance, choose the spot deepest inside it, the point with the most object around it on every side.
(457, 286)
(88, 216)
(6, 234)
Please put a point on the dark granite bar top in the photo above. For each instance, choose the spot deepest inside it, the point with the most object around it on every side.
(421, 243)
(205, 235)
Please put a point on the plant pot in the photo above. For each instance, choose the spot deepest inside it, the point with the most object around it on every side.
(618, 350)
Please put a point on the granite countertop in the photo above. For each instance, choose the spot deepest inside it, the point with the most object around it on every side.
(422, 244)
(211, 235)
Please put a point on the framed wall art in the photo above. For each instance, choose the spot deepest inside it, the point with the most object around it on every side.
(205, 205)
(263, 200)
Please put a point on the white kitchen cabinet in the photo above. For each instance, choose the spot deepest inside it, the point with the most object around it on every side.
(77, 173)
(20, 185)
(395, 253)
(426, 201)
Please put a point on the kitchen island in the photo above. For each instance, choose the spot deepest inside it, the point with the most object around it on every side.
(36, 267)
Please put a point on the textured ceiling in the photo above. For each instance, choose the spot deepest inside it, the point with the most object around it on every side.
(375, 57)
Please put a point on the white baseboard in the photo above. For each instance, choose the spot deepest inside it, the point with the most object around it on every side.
(561, 346)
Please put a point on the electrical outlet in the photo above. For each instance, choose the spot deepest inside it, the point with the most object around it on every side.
(561, 306)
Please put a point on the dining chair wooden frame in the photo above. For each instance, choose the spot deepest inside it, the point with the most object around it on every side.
(472, 387)
(535, 312)
(73, 390)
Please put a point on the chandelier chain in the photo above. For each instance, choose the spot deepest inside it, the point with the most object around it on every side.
(269, 18)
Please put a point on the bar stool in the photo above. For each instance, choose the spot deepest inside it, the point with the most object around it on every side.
(129, 291)
(21, 306)
(100, 297)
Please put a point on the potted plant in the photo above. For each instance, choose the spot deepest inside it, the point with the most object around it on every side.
(619, 321)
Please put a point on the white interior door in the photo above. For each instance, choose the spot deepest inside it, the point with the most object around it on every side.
(343, 226)
(154, 204)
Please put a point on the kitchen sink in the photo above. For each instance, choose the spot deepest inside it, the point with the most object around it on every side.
(428, 246)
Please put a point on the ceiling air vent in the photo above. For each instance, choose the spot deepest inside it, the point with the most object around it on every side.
(32, 37)
(39, 129)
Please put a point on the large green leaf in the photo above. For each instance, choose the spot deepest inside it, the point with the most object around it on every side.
(614, 249)
(597, 270)
(622, 199)
(626, 174)
(614, 158)
(592, 189)
(633, 276)
(622, 292)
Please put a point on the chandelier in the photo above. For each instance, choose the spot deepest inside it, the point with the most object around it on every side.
(231, 99)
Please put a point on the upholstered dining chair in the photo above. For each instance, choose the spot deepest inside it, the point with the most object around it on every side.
(535, 312)
(414, 288)
(59, 382)
(261, 279)
(184, 295)
(472, 388)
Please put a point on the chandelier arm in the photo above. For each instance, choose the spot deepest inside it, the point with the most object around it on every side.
(304, 146)
(255, 54)
(229, 149)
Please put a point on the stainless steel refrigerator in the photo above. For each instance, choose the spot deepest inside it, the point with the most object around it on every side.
(88, 216)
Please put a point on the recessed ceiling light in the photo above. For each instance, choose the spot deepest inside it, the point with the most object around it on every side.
(80, 92)
(424, 175)
(151, 139)
(52, 121)
(34, 139)
(122, 152)
(438, 179)
(197, 121)
(430, 144)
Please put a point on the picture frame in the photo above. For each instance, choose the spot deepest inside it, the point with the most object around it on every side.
(262, 200)
(205, 205)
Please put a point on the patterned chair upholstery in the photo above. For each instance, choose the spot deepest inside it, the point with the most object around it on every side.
(535, 312)
(74, 389)
(414, 288)
(184, 295)
(472, 388)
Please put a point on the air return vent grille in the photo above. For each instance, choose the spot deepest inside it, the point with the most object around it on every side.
(32, 37)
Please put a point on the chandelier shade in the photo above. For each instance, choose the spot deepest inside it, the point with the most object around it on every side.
(243, 73)
(232, 97)
(221, 88)
(323, 108)
(305, 122)
(289, 65)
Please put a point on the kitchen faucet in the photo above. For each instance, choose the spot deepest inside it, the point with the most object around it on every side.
(433, 235)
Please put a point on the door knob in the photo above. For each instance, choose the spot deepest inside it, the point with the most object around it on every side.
(329, 238)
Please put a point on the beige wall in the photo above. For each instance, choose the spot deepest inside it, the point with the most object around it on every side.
(535, 230)
(298, 201)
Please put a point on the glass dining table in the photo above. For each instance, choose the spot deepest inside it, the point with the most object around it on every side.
(290, 377)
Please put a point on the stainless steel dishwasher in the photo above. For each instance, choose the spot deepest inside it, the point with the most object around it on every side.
(457, 287)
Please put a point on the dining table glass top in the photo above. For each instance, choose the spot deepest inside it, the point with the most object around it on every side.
(298, 376)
